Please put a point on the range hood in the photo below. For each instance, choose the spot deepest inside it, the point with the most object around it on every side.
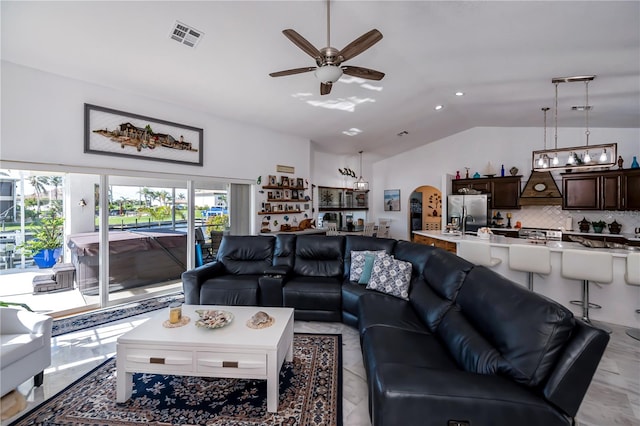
(541, 190)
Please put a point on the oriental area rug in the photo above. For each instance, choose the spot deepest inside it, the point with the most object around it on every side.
(310, 395)
(103, 316)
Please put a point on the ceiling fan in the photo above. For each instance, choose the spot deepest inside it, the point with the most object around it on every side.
(329, 60)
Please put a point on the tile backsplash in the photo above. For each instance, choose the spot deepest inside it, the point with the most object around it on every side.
(553, 217)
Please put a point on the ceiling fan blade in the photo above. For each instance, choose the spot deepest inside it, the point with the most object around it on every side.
(361, 44)
(325, 88)
(367, 73)
(302, 43)
(292, 71)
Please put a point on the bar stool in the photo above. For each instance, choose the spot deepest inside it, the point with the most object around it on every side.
(531, 259)
(477, 252)
(587, 266)
(632, 277)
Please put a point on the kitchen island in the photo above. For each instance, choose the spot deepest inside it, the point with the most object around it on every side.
(619, 300)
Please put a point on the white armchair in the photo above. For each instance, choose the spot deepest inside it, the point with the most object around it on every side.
(25, 347)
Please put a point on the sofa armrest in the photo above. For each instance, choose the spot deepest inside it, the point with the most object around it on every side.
(271, 290)
(19, 321)
(569, 381)
(192, 280)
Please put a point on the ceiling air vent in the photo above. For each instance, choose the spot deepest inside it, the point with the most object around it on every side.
(185, 34)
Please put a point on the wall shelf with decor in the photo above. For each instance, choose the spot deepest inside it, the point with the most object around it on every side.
(285, 196)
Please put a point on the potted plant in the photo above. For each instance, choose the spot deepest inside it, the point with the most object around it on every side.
(598, 225)
(46, 245)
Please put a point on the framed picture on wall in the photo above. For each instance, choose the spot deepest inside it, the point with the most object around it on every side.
(287, 194)
(273, 181)
(267, 207)
(284, 181)
(117, 133)
(392, 200)
(294, 194)
(300, 183)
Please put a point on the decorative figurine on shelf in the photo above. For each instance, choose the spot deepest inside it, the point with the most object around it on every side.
(458, 174)
(615, 227)
(489, 171)
(508, 220)
(634, 163)
(620, 161)
(466, 172)
(513, 171)
(476, 175)
(502, 170)
(584, 225)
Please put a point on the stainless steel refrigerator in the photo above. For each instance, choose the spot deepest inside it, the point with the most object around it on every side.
(469, 212)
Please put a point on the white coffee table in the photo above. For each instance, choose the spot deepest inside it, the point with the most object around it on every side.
(235, 350)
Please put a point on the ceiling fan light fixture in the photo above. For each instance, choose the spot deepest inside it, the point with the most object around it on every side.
(328, 74)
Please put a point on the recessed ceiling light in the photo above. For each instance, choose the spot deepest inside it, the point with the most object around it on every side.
(459, 93)
(439, 107)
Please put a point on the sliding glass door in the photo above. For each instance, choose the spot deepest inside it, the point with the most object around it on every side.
(121, 237)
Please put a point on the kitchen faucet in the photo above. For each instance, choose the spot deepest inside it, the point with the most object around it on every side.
(466, 218)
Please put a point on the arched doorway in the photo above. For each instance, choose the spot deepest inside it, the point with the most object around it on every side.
(425, 209)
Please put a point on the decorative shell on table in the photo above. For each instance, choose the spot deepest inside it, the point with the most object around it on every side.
(213, 318)
(260, 320)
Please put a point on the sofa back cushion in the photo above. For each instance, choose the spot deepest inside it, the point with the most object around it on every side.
(435, 291)
(528, 330)
(246, 254)
(285, 250)
(416, 254)
(360, 243)
(318, 256)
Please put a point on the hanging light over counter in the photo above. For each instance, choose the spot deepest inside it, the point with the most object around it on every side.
(581, 157)
(361, 184)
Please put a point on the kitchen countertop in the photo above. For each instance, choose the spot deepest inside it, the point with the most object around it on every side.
(628, 236)
(303, 232)
(502, 241)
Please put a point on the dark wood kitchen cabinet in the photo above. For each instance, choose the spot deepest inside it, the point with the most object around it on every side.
(505, 191)
(631, 189)
(601, 190)
(580, 192)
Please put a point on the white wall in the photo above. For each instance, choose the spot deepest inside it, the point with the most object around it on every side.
(43, 122)
(474, 148)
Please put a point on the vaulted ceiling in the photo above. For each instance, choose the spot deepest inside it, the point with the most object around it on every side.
(501, 55)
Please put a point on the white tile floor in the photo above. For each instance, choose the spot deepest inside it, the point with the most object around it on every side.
(612, 399)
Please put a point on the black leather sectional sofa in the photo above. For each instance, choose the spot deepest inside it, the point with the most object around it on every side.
(468, 347)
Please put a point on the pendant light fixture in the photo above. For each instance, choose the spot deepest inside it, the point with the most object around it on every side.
(576, 157)
(543, 159)
(361, 184)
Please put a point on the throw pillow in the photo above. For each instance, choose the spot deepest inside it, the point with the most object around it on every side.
(391, 276)
(369, 258)
(357, 262)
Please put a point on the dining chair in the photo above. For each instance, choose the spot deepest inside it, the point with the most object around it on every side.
(383, 228)
(332, 228)
(368, 229)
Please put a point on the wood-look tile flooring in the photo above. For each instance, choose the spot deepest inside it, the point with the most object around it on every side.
(612, 399)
